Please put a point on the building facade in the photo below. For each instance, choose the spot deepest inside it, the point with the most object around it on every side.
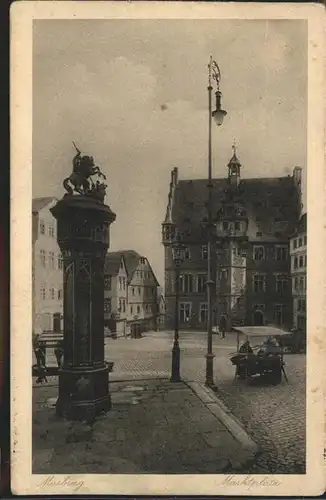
(298, 253)
(252, 223)
(133, 291)
(47, 269)
(115, 293)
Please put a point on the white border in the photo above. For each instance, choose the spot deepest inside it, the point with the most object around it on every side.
(22, 15)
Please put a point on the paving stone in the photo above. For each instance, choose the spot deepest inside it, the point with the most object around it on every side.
(273, 416)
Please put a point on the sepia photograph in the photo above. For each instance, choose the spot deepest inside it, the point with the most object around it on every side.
(166, 265)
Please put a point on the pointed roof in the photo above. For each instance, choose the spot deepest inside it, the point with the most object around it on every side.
(39, 203)
(234, 160)
(131, 260)
(270, 201)
(112, 263)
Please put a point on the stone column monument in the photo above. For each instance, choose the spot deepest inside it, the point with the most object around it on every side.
(83, 227)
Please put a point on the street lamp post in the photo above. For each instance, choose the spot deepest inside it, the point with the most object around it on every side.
(178, 257)
(218, 115)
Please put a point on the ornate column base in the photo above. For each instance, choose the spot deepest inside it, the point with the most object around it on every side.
(83, 393)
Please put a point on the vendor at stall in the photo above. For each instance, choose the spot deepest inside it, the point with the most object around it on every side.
(270, 346)
(246, 348)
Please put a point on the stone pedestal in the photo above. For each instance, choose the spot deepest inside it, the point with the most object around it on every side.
(83, 236)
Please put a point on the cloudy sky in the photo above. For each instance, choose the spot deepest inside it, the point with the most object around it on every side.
(133, 94)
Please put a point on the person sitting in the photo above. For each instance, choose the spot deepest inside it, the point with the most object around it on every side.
(270, 346)
(246, 348)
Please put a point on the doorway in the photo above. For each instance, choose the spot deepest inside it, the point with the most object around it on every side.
(258, 318)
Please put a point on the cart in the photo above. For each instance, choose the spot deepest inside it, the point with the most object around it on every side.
(259, 354)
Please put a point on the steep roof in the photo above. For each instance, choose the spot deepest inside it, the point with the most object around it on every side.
(131, 259)
(303, 224)
(112, 263)
(39, 203)
(272, 202)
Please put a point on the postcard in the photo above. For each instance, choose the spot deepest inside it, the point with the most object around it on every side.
(167, 249)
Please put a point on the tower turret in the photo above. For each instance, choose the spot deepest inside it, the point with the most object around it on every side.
(234, 167)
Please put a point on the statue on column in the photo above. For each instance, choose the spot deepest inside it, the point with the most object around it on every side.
(80, 180)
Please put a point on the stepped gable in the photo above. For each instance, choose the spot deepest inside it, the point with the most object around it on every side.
(271, 202)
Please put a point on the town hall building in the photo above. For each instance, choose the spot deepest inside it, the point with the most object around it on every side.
(253, 220)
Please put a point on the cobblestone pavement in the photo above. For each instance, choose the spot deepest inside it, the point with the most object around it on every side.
(274, 416)
(153, 427)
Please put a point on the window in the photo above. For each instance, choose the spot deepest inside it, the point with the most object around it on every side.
(259, 233)
(301, 261)
(301, 305)
(259, 307)
(223, 274)
(259, 252)
(295, 243)
(138, 309)
(259, 283)
(121, 264)
(295, 262)
(131, 309)
(124, 283)
(201, 283)
(107, 305)
(187, 253)
(52, 293)
(204, 252)
(42, 255)
(138, 290)
(184, 311)
(281, 283)
(107, 282)
(203, 313)
(60, 262)
(225, 225)
(305, 261)
(43, 294)
(60, 294)
(305, 240)
(296, 284)
(42, 226)
(278, 314)
(51, 231)
(281, 253)
(133, 291)
(120, 283)
(302, 284)
(300, 242)
(187, 283)
(51, 259)
(237, 226)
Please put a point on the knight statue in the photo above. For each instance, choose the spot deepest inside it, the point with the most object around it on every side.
(80, 180)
